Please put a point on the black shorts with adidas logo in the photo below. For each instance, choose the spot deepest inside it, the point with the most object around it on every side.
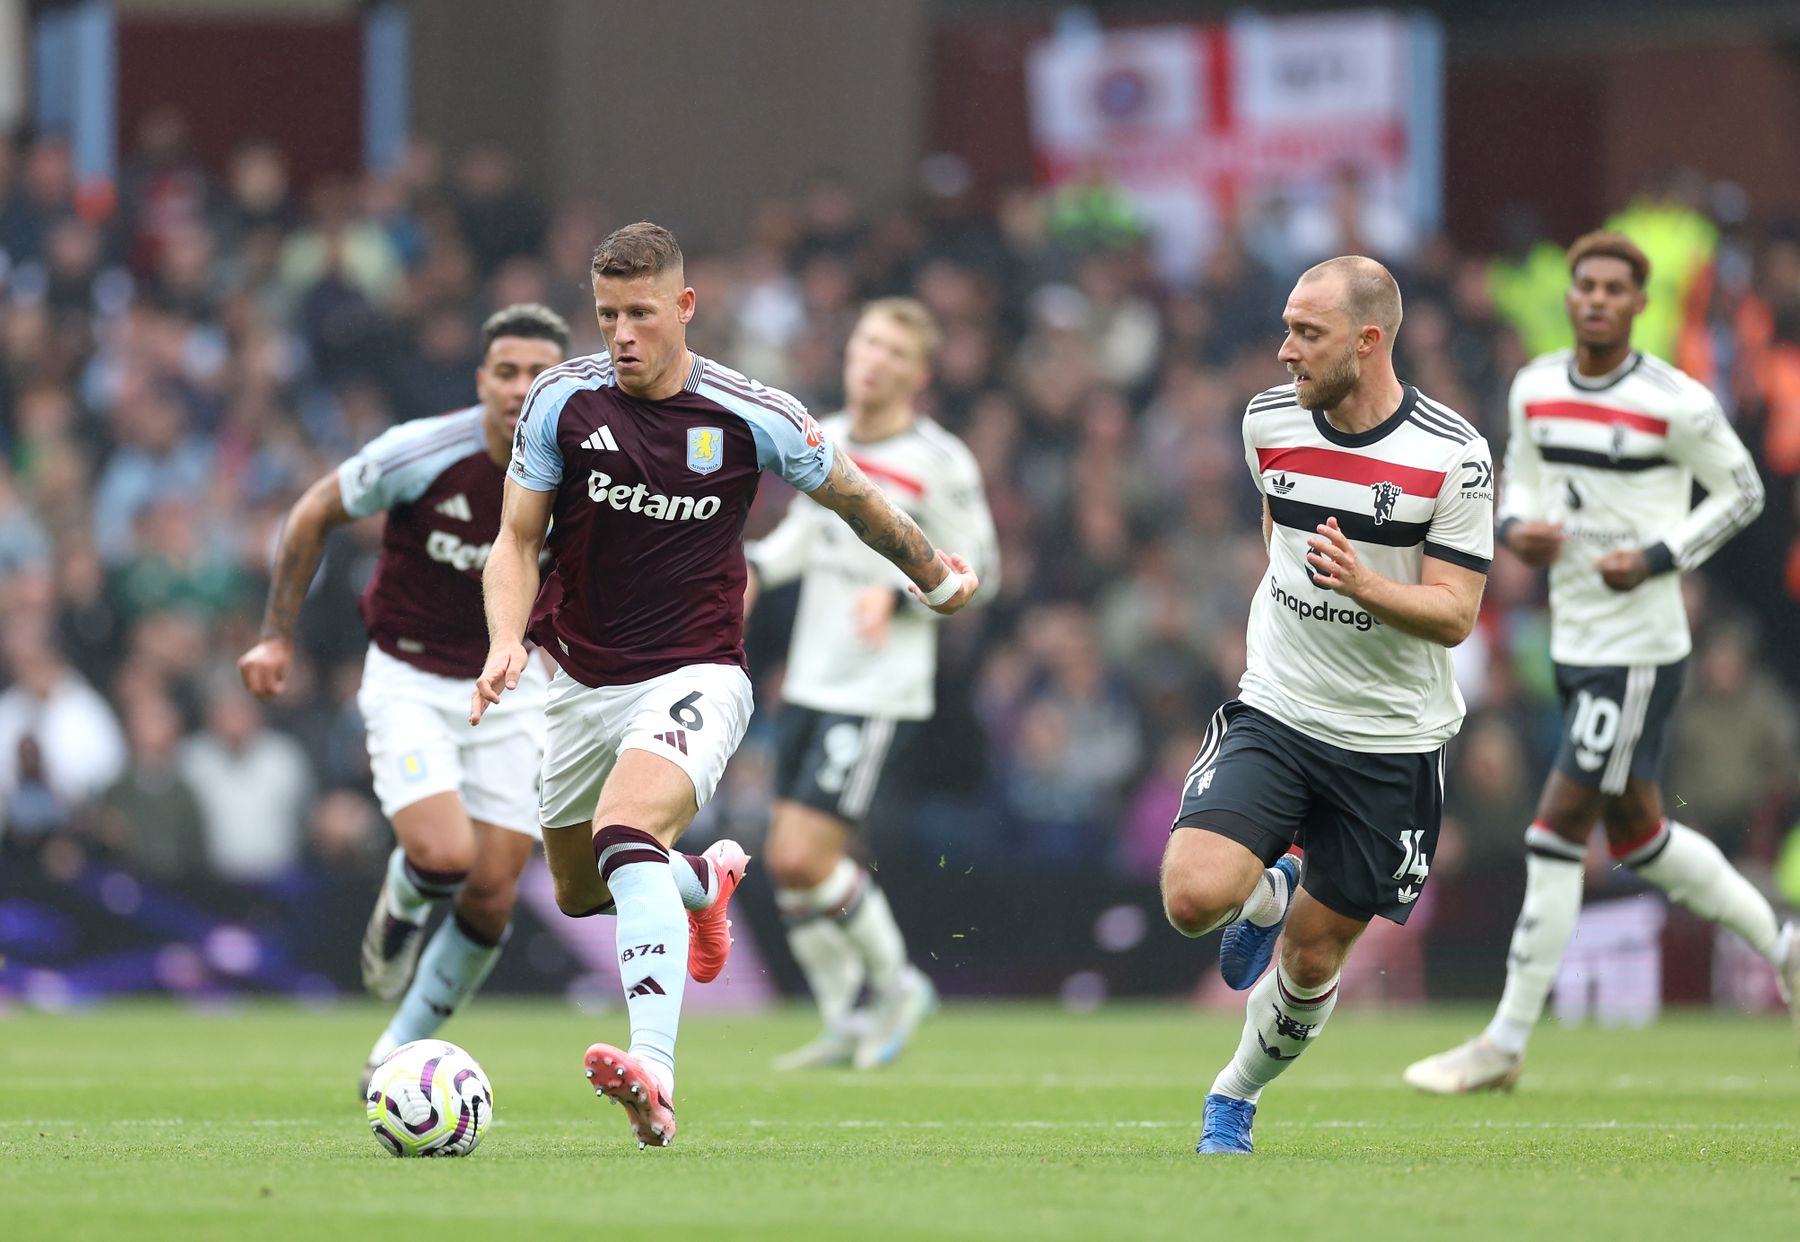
(1616, 722)
(1368, 822)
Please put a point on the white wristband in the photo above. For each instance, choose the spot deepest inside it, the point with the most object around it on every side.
(941, 593)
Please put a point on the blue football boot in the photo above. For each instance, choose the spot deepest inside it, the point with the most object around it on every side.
(1225, 1125)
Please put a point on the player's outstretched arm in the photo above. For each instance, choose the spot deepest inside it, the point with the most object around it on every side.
(509, 586)
(942, 581)
(1441, 606)
(320, 508)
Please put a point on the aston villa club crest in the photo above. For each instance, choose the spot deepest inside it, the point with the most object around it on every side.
(706, 449)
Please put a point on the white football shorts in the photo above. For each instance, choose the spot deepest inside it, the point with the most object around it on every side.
(421, 742)
(694, 717)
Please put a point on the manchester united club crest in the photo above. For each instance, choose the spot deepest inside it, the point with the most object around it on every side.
(1385, 496)
(706, 449)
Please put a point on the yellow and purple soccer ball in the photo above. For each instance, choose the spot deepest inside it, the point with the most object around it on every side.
(429, 1098)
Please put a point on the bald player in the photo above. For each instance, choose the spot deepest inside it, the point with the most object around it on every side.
(1378, 515)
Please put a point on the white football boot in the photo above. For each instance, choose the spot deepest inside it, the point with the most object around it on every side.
(829, 1050)
(893, 1018)
(1475, 1066)
(390, 947)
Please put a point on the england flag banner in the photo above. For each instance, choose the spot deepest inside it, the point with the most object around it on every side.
(1282, 126)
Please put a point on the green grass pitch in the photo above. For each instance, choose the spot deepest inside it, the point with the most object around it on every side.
(1003, 1121)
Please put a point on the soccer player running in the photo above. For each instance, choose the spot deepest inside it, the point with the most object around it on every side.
(859, 685)
(462, 804)
(648, 457)
(1604, 447)
(1378, 514)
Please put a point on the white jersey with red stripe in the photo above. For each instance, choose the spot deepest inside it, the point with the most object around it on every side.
(1419, 484)
(931, 475)
(1613, 460)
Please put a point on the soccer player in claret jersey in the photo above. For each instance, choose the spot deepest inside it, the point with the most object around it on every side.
(462, 804)
(1603, 449)
(648, 457)
(859, 684)
(1378, 513)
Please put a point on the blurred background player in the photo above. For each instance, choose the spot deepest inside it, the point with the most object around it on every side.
(648, 457)
(1378, 512)
(463, 804)
(859, 680)
(1604, 448)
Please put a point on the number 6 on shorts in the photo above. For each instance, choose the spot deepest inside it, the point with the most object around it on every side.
(685, 714)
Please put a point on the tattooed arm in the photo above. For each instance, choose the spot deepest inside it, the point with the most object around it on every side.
(879, 523)
(264, 667)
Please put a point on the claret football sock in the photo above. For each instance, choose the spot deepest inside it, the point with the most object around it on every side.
(1688, 867)
(652, 939)
(1280, 1022)
(1553, 878)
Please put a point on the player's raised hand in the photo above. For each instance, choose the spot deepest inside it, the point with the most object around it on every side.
(1535, 543)
(504, 665)
(1333, 561)
(965, 589)
(264, 667)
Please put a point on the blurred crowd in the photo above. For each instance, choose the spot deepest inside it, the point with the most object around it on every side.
(176, 368)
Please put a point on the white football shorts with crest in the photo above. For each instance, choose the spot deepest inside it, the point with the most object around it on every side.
(694, 717)
(421, 743)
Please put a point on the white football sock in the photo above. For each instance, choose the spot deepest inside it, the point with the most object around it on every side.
(652, 936)
(1281, 1020)
(869, 923)
(1264, 906)
(1269, 903)
(453, 966)
(832, 964)
(1688, 867)
(413, 893)
(1553, 880)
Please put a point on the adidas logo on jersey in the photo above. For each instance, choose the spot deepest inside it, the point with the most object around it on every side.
(629, 499)
(1281, 485)
(676, 738)
(456, 507)
(601, 440)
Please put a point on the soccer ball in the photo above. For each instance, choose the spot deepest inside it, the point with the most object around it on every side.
(429, 1098)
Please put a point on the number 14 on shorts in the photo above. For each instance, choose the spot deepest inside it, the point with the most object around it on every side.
(1414, 866)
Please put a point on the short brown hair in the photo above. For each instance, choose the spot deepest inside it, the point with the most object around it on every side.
(1371, 294)
(1602, 244)
(914, 316)
(641, 249)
